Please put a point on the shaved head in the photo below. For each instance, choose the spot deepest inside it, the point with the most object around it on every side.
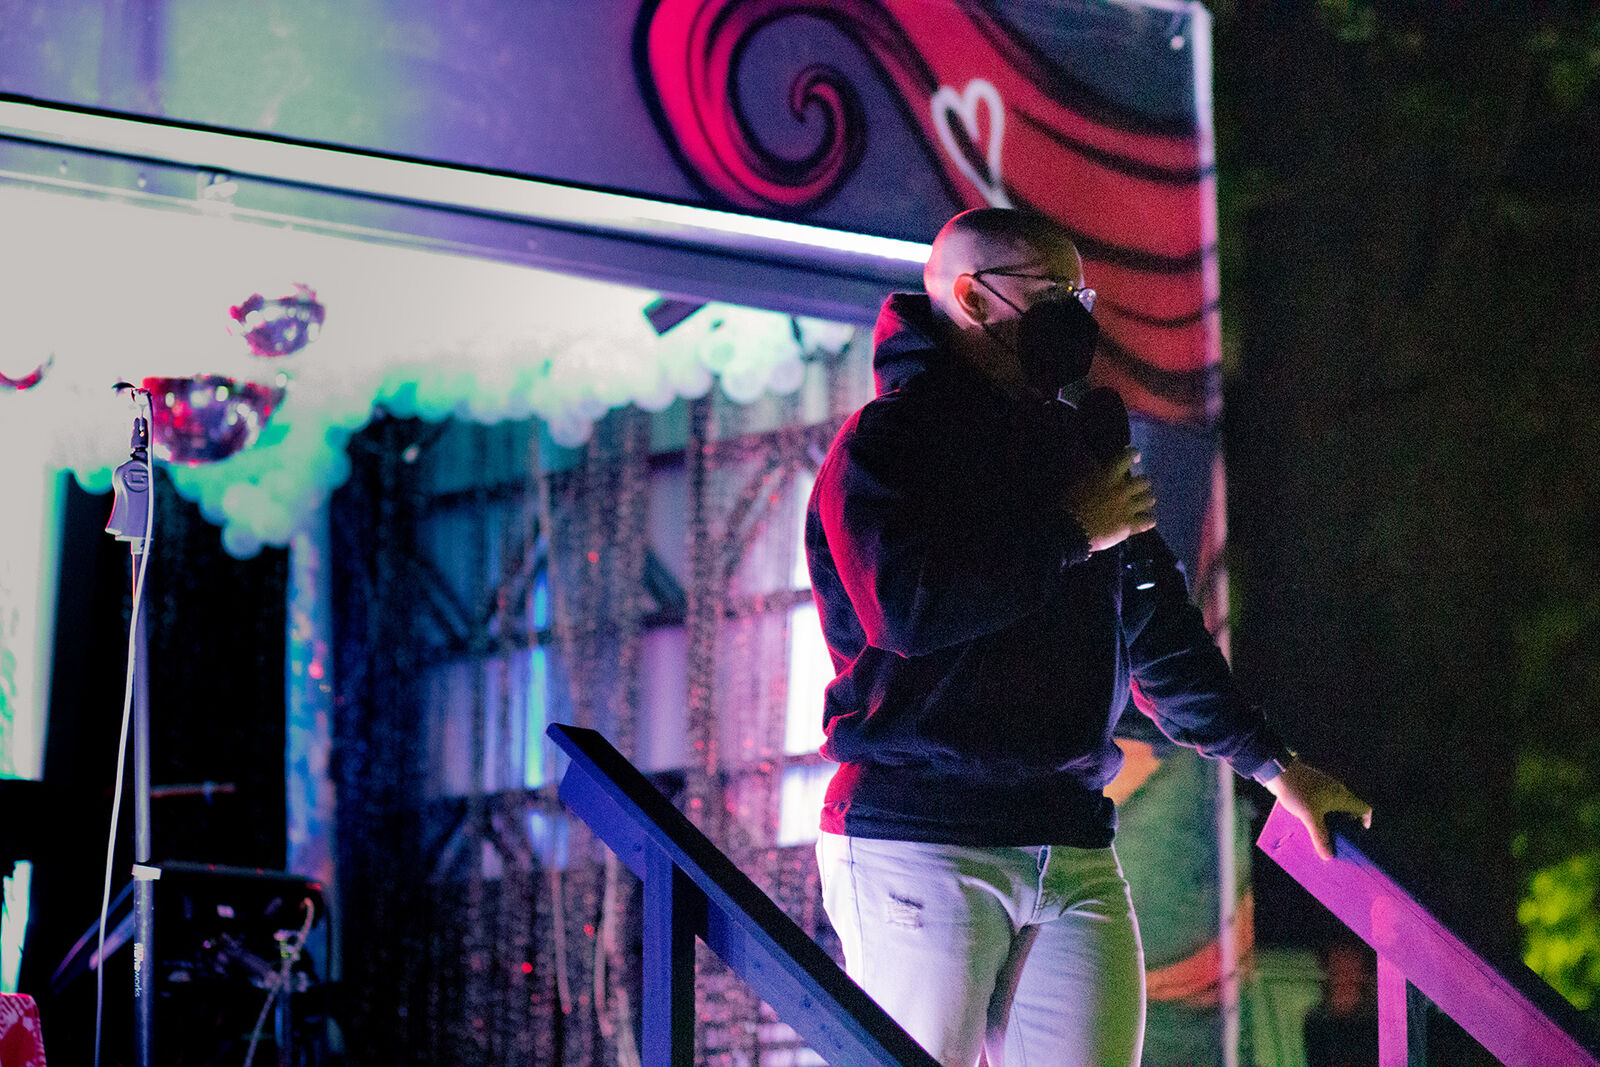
(988, 268)
(989, 237)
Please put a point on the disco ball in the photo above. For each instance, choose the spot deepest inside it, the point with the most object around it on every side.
(207, 418)
(28, 381)
(282, 326)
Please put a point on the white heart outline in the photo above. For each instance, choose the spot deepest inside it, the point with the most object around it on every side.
(965, 104)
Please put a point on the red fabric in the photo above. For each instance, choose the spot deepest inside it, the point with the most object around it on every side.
(21, 1039)
(1195, 980)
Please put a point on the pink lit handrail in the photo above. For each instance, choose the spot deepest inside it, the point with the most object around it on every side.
(1510, 1011)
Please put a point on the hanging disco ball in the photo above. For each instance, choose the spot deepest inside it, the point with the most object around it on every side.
(283, 326)
(208, 418)
(27, 381)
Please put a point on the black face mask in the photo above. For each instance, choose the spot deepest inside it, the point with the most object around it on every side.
(1054, 338)
(1055, 343)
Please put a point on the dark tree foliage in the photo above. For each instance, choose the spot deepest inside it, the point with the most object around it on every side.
(1410, 218)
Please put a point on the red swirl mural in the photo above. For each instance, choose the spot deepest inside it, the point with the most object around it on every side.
(1007, 124)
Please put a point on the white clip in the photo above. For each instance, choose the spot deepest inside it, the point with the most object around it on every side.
(143, 872)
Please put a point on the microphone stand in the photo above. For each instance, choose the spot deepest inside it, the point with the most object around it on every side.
(131, 521)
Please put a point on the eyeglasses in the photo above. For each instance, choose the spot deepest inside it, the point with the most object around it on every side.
(1082, 294)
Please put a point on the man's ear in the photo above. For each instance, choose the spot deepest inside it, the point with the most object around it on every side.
(970, 298)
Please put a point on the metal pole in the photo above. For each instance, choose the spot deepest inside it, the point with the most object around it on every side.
(281, 1022)
(133, 521)
(144, 874)
(1228, 911)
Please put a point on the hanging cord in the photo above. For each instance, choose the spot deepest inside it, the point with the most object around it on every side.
(616, 1028)
(291, 956)
(558, 903)
(142, 548)
(629, 538)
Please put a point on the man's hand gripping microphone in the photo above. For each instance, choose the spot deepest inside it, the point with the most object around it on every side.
(1114, 504)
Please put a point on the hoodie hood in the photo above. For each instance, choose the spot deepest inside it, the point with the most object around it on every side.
(904, 341)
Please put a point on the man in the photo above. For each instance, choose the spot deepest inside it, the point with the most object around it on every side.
(968, 540)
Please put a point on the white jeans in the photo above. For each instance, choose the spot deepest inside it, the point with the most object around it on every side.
(1030, 955)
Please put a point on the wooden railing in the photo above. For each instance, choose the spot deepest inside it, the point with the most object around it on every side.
(1507, 1008)
(691, 889)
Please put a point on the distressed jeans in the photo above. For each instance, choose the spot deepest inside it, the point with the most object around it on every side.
(1030, 954)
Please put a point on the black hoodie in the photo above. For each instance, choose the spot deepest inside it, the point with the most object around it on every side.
(983, 654)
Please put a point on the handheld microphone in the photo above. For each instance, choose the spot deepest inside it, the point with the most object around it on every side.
(1104, 418)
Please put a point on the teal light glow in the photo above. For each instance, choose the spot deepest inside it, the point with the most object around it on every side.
(13, 923)
(28, 563)
(541, 602)
(534, 770)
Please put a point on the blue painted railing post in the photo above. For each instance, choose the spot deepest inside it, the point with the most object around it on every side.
(673, 910)
(692, 890)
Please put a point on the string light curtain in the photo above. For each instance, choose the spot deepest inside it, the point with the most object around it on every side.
(488, 581)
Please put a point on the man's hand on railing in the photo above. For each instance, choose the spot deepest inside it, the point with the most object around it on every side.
(1310, 796)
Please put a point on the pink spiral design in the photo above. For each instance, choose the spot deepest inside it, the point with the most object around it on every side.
(1137, 194)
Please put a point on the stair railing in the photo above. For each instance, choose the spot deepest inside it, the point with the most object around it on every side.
(691, 889)
(1506, 1008)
